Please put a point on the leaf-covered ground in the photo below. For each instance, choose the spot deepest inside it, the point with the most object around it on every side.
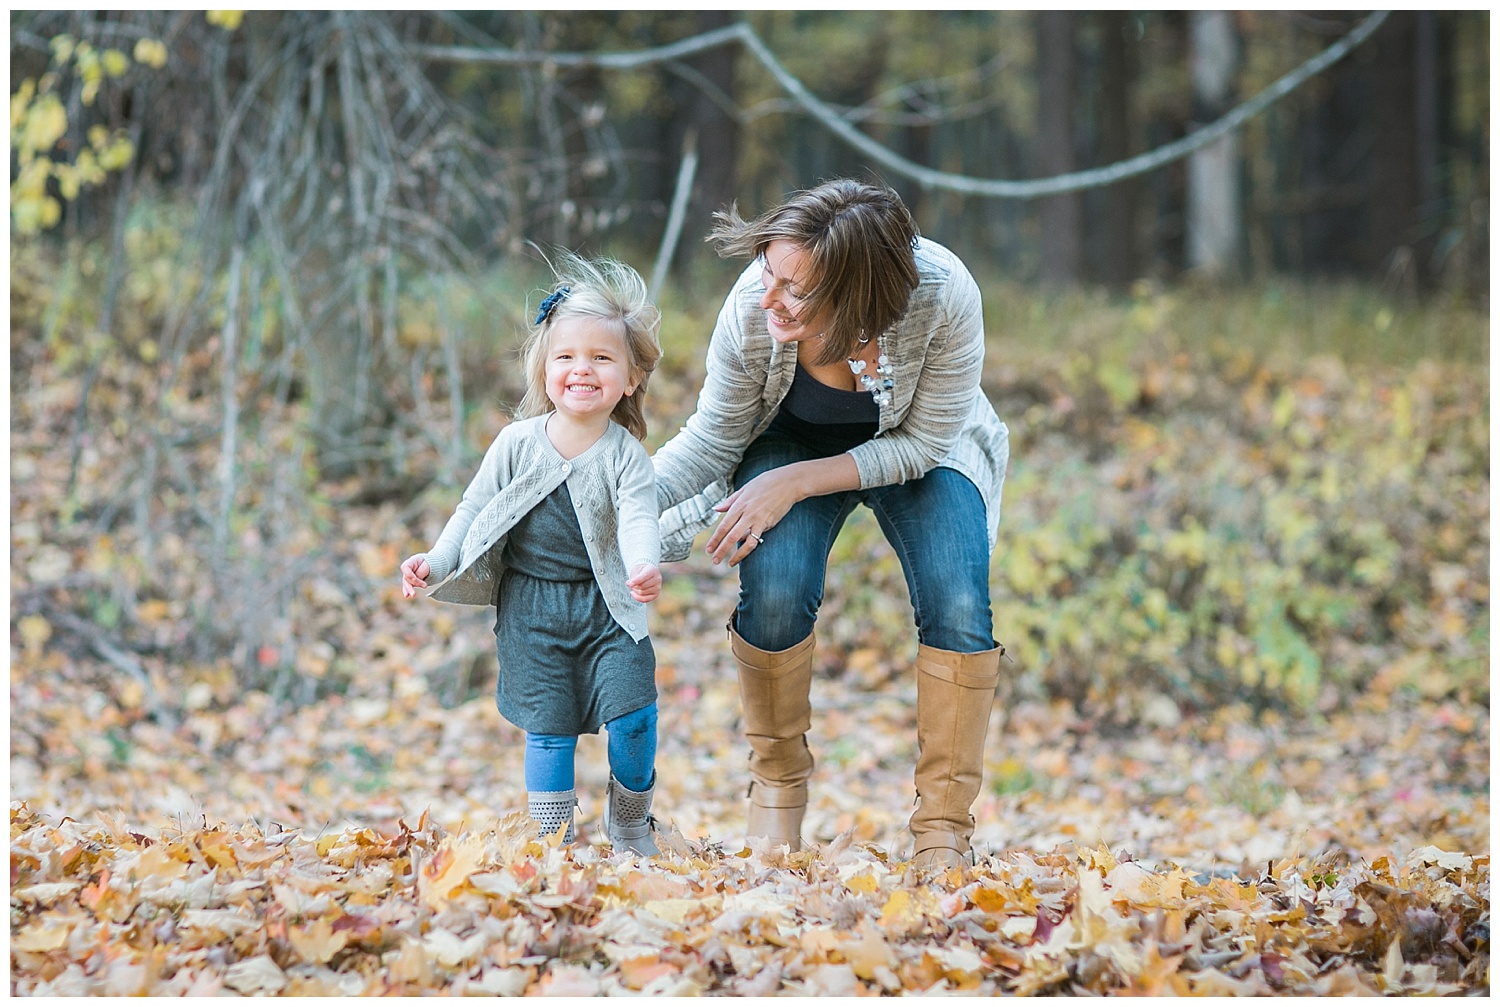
(1243, 747)
(372, 845)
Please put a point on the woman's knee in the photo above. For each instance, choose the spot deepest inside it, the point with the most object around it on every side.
(779, 601)
(956, 617)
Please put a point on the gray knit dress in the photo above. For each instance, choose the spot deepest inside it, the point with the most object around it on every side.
(566, 666)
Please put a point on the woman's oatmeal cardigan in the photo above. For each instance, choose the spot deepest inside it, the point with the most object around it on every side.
(937, 414)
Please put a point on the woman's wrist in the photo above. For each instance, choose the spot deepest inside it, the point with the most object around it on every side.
(822, 476)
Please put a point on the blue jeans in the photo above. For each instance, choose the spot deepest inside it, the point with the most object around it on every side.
(632, 754)
(936, 524)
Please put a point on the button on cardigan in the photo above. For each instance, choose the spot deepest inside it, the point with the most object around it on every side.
(937, 415)
(614, 496)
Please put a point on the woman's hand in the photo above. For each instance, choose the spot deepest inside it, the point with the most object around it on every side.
(414, 574)
(753, 510)
(644, 583)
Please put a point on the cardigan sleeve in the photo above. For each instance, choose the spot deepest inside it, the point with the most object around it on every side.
(944, 395)
(712, 441)
(640, 540)
(493, 474)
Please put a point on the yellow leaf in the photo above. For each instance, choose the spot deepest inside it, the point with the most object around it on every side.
(1103, 859)
(675, 911)
(216, 851)
(117, 155)
(43, 935)
(116, 63)
(868, 954)
(326, 843)
(865, 882)
(412, 965)
(898, 909)
(46, 122)
(229, 20)
(450, 867)
(62, 48)
(67, 180)
(19, 102)
(319, 942)
(35, 632)
(151, 52)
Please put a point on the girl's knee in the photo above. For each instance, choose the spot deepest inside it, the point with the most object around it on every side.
(634, 725)
(632, 748)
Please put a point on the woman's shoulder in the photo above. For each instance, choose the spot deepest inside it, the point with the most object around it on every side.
(938, 264)
(945, 289)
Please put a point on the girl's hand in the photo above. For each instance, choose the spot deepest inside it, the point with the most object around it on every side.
(750, 512)
(644, 583)
(414, 574)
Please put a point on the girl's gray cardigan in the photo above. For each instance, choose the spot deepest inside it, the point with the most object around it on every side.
(937, 414)
(614, 496)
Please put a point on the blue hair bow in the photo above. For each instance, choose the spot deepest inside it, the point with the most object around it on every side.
(551, 301)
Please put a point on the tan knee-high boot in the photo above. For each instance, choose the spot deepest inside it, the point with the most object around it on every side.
(774, 692)
(954, 695)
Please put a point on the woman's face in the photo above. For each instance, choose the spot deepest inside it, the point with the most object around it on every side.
(786, 273)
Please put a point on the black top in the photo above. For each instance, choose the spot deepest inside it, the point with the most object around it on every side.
(826, 419)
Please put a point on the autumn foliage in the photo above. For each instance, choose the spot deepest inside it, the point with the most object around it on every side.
(1242, 745)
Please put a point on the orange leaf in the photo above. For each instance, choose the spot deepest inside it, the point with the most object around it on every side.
(638, 973)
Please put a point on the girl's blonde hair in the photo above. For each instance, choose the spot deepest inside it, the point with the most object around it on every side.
(608, 290)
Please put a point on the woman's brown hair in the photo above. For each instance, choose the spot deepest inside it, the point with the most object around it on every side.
(861, 240)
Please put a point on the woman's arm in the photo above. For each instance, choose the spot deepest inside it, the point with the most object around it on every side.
(756, 507)
(712, 441)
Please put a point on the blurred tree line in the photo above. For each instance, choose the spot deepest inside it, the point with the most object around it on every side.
(333, 166)
(261, 254)
(1377, 168)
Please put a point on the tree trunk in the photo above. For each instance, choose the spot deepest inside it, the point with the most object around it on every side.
(1057, 75)
(1214, 224)
(718, 138)
(1394, 192)
(1118, 260)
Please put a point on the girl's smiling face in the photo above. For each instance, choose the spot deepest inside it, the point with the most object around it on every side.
(588, 367)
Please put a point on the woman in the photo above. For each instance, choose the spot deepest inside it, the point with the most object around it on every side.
(844, 370)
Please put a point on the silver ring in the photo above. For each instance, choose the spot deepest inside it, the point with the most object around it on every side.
(758, 539)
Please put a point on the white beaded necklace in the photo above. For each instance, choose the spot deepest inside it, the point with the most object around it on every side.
(879, 384)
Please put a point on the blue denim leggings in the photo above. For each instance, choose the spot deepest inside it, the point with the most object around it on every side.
(936, 524)
(632, 754)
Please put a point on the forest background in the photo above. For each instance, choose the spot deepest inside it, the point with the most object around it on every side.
(268, 273)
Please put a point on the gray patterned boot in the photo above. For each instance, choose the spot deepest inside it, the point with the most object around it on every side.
(550, 809)
(627, 818)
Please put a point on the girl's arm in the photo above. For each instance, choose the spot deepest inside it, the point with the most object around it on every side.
(493, 474)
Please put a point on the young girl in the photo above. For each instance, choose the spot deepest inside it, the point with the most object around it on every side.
(559, 531)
